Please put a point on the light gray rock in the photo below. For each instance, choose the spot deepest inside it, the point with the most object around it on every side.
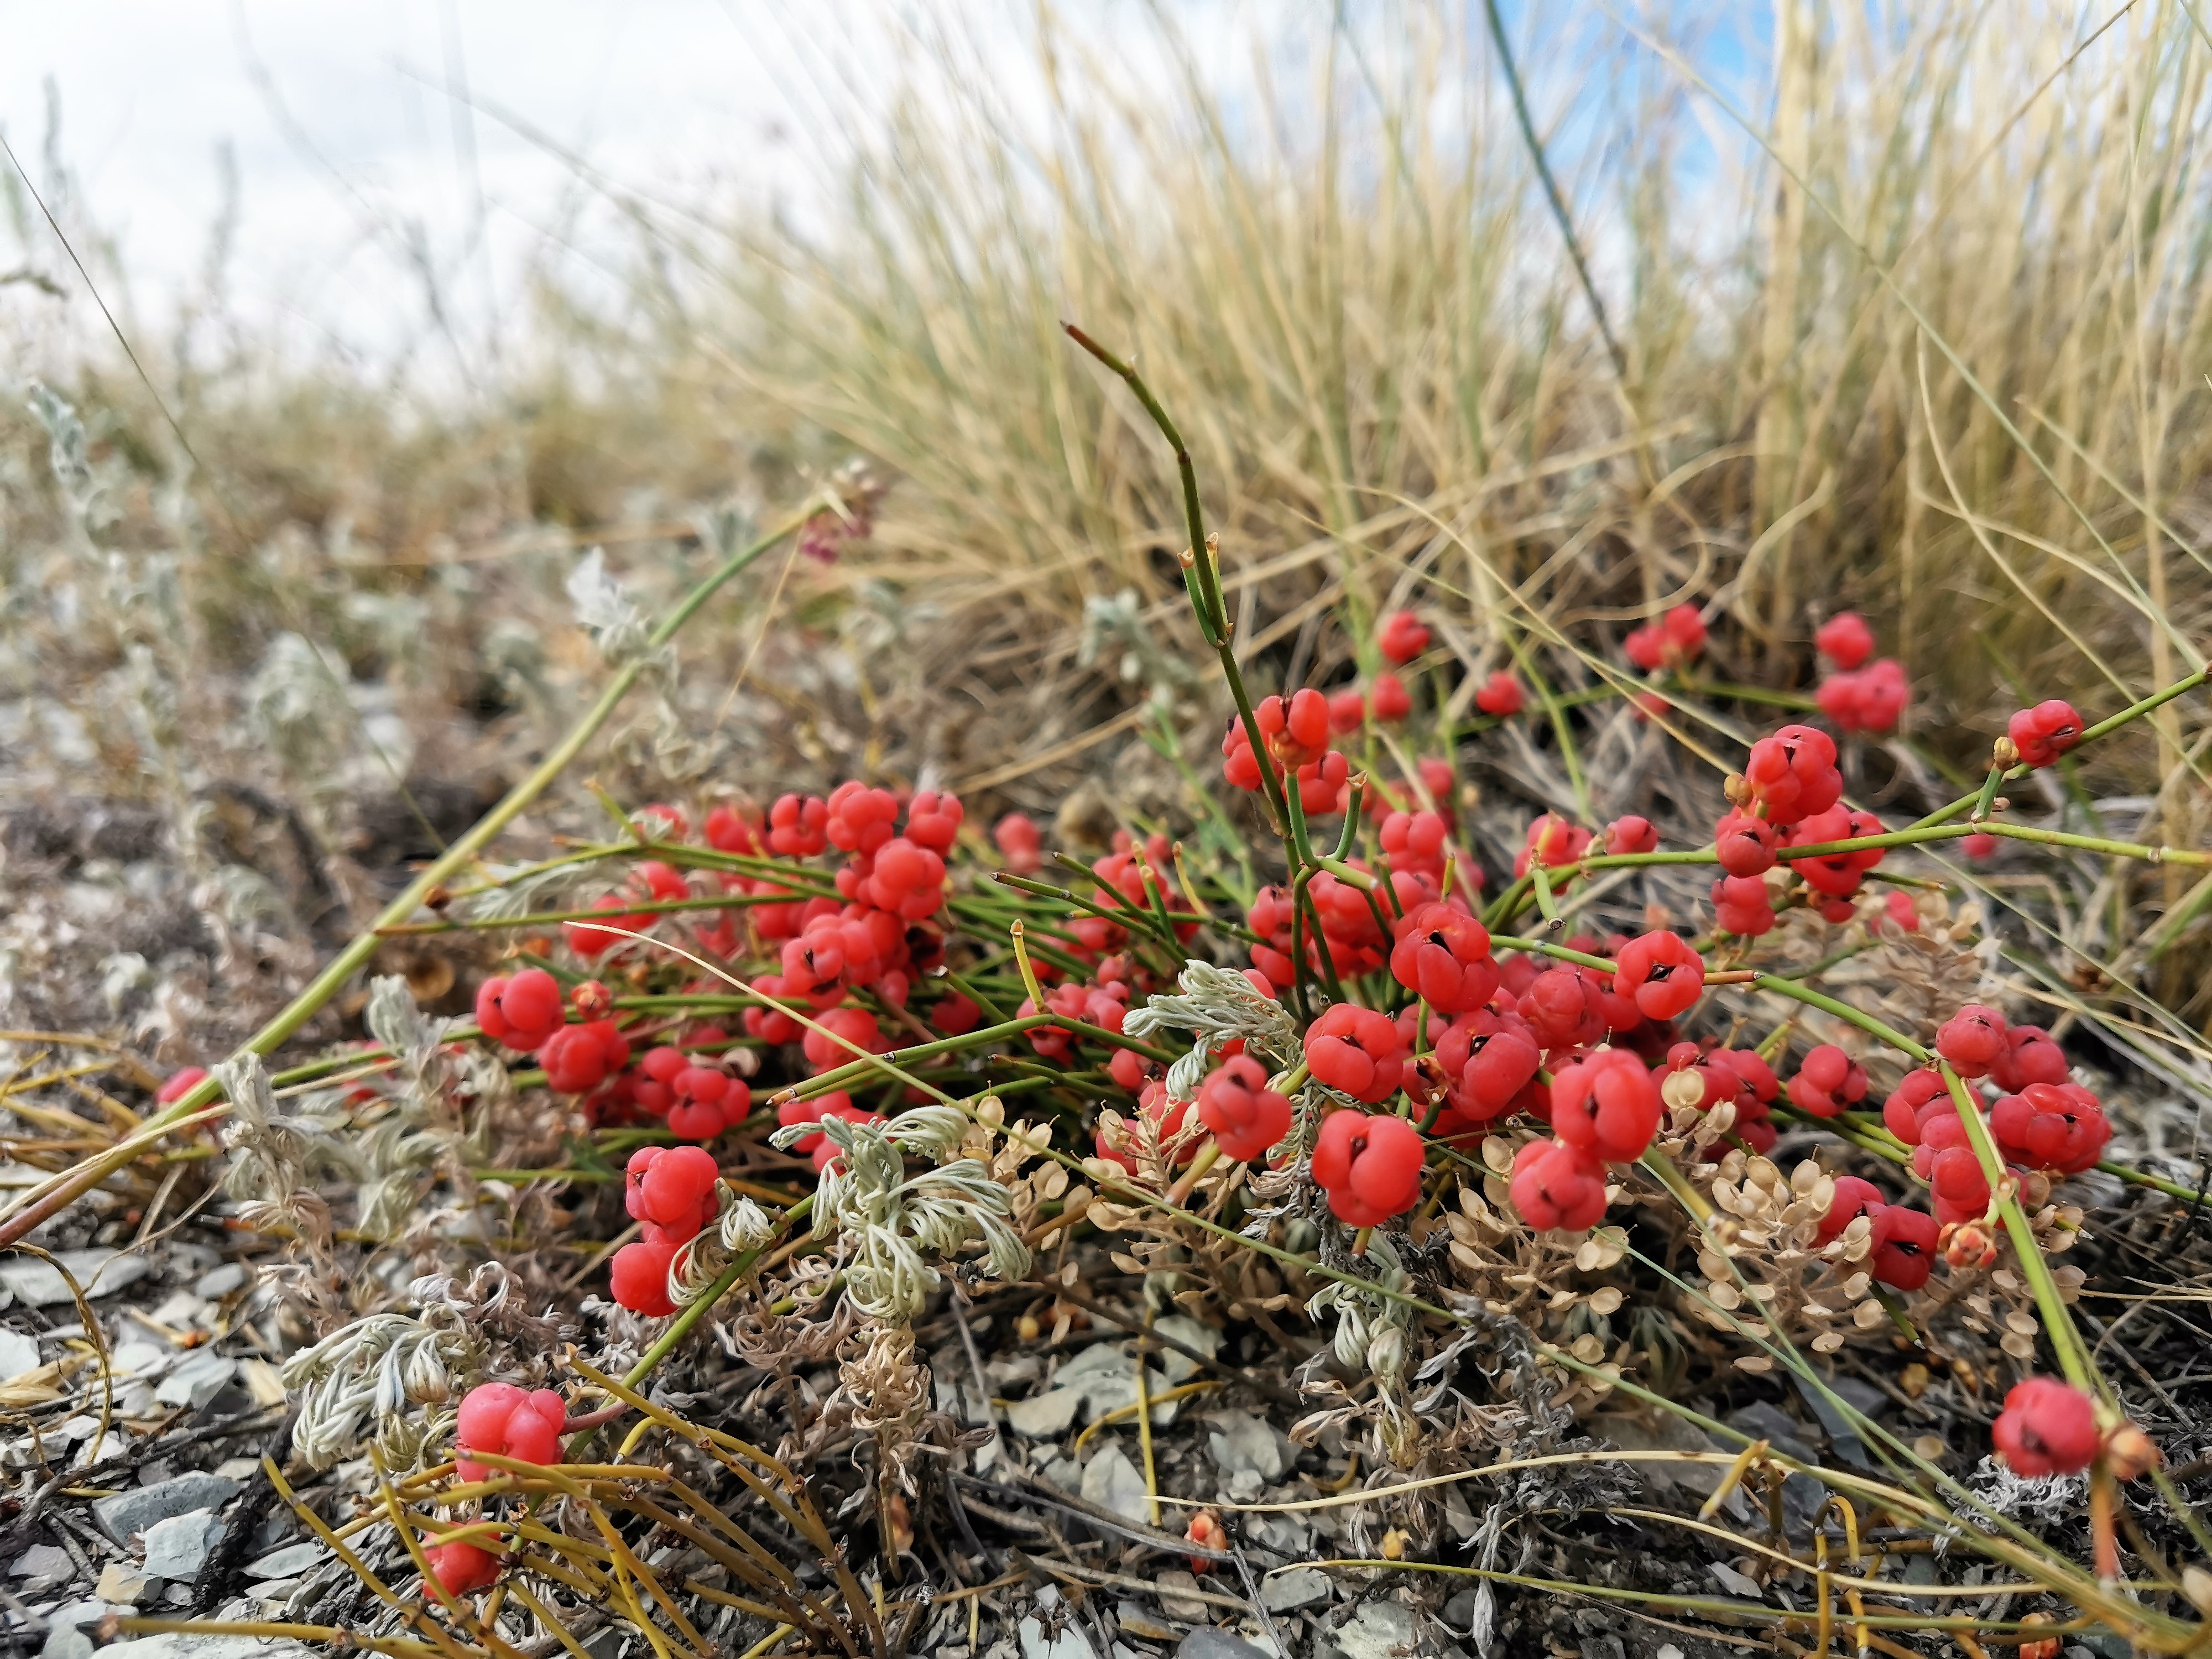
(289, 1562)
(177, 1547)
(43, 1565)
(1179, 1367)
(122, 1583)
(1240, 1441)
(198, 1379)
(220, 1281)
(1207, 1643)
(66, 1641)
(1736, 1583)
(181, 1645)
(145, 1506)
(98, 1272)
(1301, 1587)
(1139, 1620)
(1173, 1583)
(18, 1353)
(1070, 1644)
(1045, 1416)
(1111, 1480)
(136, 1356)
(1379, 1630)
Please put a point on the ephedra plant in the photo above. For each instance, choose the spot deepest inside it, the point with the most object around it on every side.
(1301, 1069)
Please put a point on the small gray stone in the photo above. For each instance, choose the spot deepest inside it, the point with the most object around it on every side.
(287, 1563)
(1737, 1584)
(1207, 1643)
(220, 1281)
(137, 1510)
(1140, 1622)
(1181, 1367)
(1301, 1587)
(66, 1641)
(45, 1566)
(1070, 1644)
(98, 1272)
(121, 1583)
(1111, 1480)
(1173, 1583)
(179, 1644)
(196, 1380)
(1242, 1442)
(18, 1353)
(177, 1547)
(1460, 1611)
(1045, 1416)
(1379, 1630)
(137, 1357)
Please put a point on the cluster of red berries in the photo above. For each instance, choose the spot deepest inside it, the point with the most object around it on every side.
(1737, 1077)
(1245, 1118)
(835, 1104)
(505, 1421)
(1675, 639)
(2046, 1427)
(2043, 733)
(526, 1012)
(1869, 698)
(1354, 937)
(669, 1192)
(1370, 1166)
(1905, 1241)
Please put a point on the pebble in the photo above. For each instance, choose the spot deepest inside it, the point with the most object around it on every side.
(45, 1566)
(1111, 1480)
(1070, 1644)
(18, 1353)
(181, 1645)
(1207, 1643)
(1240, 1441)
(1301, 1587)
(1379, 1630)
(1140, 1622)
(198, 1377)
(120, 1582)
(98, 1272)
(287, 1563)
(1172, 1603)
(135, 1512)
(218, 1282)
(136, 1356)
(177, 1547)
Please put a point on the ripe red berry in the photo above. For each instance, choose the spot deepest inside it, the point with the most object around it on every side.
(671, 1189)
(1443, 955)
(2052, 1126)
(1402, 636)
(2031, 1055)
(934, 818)
(461, 1568)
(1844, 639)
(180, 1083)
(1661, 972)
(731, 830)
(1872, 699)
(1742, 906)
(521, 1009)
(1347, 710)
(512, 1422)
(1019, 842)
(1246, 1117)
(1563, 1007)
(1980, 846)
(579, 1058)
(2046, 1427)
(1902, 1113)
(1391, 701)
(1169, 1117)
(1500, 695)
(1972, 1039)
(1607, 1105)
(1745, 845)
(638, 1277)
(1827, 1081)
(1631, 835)
(1488, 1058)
(1370, 1167)
(1355, 1051)
(1906, 1254)
(1854, 1197)
(1793, 774)
(1553, 841)
(798, 826)
(2045, 732)
(1555, 1184)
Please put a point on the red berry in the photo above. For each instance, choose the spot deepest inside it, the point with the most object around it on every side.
(1661, 972)
(672, 1189)
(638, 1277)
(1246, 1117)
(1370, 1167)
(1972, 1039)
(1844, 639)
(1854, 1197)
(1391, 701)
(1563, 1007)
(845, 1035)
(2046, 1427)
(1558, 1185)
(1631, 835)
(180, 1083)
(1793, 774)
(1745, 845)
(1488, 1059)
(1500, 695)
(1019, 842)
(2045, 732)
(1443, 955)
(1906, 1254)
(520, 1010)
(1347, 710)
(1356, 1051)
(798, 826)
(1979, 847)
(579, 1058)
(499, 1418)
(729, 830)
(460, 1567)
(2052, 1126)
(1168, 1117)
(1827, 1081)
(1607, 1105)
(1402, 636)
(1872, 699)
(1553, 841)
(2031, 1055)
